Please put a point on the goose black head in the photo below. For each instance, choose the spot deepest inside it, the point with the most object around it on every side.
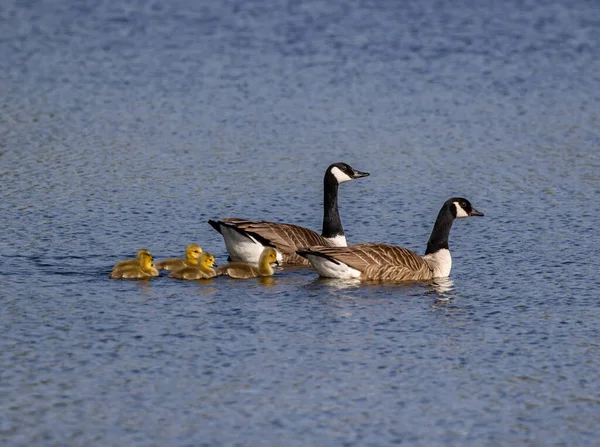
(461, 207)
(343, 172)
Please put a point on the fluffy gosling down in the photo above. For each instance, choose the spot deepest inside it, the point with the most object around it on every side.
(192, 252)
(383, 262)
(144, 269)
(202, 270)
(132, 262)
(242, 270)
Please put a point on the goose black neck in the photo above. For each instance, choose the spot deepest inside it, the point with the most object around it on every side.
(441, 230)
(332, 224)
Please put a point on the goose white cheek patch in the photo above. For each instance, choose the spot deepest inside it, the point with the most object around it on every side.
(340, 176)
(460, 211)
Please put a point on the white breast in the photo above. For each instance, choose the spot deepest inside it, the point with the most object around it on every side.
(337, 241)
(440, 262)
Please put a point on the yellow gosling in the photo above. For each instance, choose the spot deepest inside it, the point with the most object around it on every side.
(154, 271)
(131, 262)
(203, 269)
(145, 269)
(242, 270)
(192, 252)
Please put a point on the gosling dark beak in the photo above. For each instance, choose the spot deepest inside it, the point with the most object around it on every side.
(474, 212)
(215, 264)
(358, 174)
(277, 263)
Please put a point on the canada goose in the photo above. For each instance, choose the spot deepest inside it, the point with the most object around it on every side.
(245, 239)
(391, 263)
(192, 252)
(145, 269)
(243, 270)
(200, 271)
(131, 262)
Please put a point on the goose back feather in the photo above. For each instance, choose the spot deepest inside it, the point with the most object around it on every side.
(378, 262)
(286, 238)
(245, 239)
(384, 262)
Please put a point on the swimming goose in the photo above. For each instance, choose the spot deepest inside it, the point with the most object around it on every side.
(132, 262)
(192, 252)
(243, 270)
(145, 269)
(202, 270)
(245, 239)
(383, 262)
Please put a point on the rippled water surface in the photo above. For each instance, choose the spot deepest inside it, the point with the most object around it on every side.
(130, 124)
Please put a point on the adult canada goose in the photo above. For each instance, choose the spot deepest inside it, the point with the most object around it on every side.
(243, 270)
(383, 262)
(131, 262)
(204, 268)
(245, 239)
(145, 269)
(192, 252)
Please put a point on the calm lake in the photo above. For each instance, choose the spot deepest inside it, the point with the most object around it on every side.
(127, 125)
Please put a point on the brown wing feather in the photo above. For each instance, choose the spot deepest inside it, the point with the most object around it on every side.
(381, 261)
(286, 238)
(235, 220)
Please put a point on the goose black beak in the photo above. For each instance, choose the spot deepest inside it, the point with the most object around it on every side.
(215, 264)
(474, 212)
(359, 174)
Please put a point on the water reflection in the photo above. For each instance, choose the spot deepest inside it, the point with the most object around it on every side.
(443, 285)
(144, 285)
(442, 289)
(337, 283)
(267, 281)
(205, 282)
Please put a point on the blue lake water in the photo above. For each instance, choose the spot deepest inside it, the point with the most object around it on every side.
(129, 124)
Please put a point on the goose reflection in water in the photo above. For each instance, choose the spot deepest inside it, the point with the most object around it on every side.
(337, 283)
(267, 281)
(443, 288)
